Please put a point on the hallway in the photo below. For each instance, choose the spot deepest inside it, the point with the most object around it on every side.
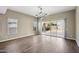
(39, 44)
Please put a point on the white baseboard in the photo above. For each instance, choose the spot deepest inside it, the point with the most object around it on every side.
(70, 38)
(16, 38)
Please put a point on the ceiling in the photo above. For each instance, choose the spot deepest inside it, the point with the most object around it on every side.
(33, 10)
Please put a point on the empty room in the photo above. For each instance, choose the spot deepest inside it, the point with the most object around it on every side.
(39, 29)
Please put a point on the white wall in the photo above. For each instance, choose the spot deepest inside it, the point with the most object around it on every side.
(69, 17)
(25, 25)
(77, 25)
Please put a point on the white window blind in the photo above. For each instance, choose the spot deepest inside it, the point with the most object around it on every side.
(12, 26)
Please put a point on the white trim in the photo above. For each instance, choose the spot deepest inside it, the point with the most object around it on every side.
(16, 38)
(70, 38)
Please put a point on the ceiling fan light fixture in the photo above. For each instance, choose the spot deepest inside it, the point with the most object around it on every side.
(41, 14)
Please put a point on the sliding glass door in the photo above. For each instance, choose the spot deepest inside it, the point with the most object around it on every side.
(54, 28)
(61, 28)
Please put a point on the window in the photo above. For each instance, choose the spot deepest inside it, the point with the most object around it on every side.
(12, 26)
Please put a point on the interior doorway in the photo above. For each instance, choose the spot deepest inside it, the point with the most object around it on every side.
(54, 28)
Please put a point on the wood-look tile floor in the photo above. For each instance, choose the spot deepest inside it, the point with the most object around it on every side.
(39, 44)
